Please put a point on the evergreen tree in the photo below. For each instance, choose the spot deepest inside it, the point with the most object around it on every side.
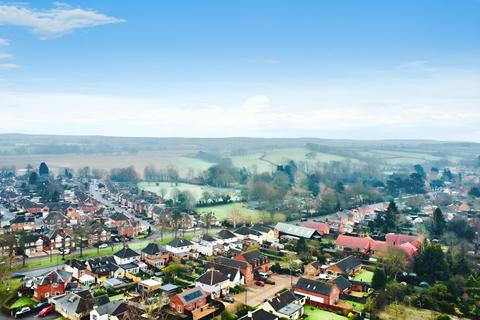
(438, 222)
(379, 279)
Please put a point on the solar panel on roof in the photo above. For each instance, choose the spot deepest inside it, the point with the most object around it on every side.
(193, 295)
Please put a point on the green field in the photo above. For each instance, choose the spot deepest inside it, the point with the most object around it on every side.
(319, 314)
(400, 157)
(365, 276)
(196, 190)
(249, 215)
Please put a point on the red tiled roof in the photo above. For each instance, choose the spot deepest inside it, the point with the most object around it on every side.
(408, 248)
(321, 228)
(398, 239)
(354, 242)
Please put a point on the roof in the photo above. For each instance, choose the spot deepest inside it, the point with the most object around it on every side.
(128, 266)
(321, 228)
(314, 286)
(408, 248)
(179, 242)
(55, 276)
(342, 283)
(208, 238)
(168, 287)
(231, 263)
(261, 228)
(119, 216)
(22, 219)
(226, 234)
(347, 264)
(114, 308)
(244, 231)
(230, 272)
(212, 277)
(255, 257)
(259, 314)
(297, 231)
(126, 253)
(75, 302)
(55, 216)
(398, 239)
(152, 249)
(354, 242)
(281, 300)
(192, 295)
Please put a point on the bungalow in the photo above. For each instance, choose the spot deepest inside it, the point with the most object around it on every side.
(215, 283)
(104, 268)
(359, 244)
(317, 292)
(73, 305)
(130, 268)
(190, 299)
(256, 259)
(290, 230)
(285, 305)
(154, 256)
(113, 310)
(179, 247)
(126, 255)
(342, 283)
(51, 284)
(349, 266)
(225, 236)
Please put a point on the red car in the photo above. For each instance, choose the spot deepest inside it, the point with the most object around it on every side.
(45, 311)
(260, 283)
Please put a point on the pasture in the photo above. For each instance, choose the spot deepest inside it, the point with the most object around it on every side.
(196, 190)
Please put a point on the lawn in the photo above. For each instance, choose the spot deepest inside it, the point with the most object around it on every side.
(23, 302)
(403, 312)
(355, 305)
(319, 314)
(117, 297)
(248, 215)
(365, 276)
(196, 190)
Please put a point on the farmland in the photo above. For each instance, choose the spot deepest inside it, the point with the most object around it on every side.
(195, 190)
(248, 214)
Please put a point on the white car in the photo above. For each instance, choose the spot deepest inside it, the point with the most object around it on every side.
(22, 311)
(103, 245)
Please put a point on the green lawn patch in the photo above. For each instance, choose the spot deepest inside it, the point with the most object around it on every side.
(356, 305)
(194, 189)
(222, 212)
(117, 297)
(319, 314)
(23, 302)
(365, 276)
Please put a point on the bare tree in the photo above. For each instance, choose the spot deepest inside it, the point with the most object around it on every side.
(235, 216)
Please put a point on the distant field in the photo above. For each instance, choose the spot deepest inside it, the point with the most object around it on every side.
(249, 215)
(266, 161)
(196, 190)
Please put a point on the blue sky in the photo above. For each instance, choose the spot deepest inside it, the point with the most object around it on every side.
(334, 69)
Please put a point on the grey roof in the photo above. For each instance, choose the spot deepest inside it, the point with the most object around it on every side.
(342, 283)
(349, 263)
(128, 266)
(259, 314)
(232, 263)
(75, 302)
(179, 242)
(114, 308)
(282, 300)
(168, 287)
(126, 253)
(315, 286)
(230, 272)
(212, 278)
(55, 276)
(297, 231)
(226, 234)
(192, 295)
(151, 249)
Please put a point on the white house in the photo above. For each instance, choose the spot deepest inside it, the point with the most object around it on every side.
(207, 245)
(179, 246)
(285, 305)
(234, 275)
(215, 283)
(225, 236)
(126, 255)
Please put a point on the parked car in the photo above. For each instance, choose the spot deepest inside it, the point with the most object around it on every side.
(22, 311)
(18, 275)
(228, 299)
(45, 311)
(103, 245)
(64, 251)
(259, 283)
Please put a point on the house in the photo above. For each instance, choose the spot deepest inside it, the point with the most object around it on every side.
(190, 299)
(104, 235)
(113, 310)
(73, 305)
(169, 289)
(51, 284)
(234, 274)
(225, 236)
(285, 305)
(58, 238)
(179, 247)
(256, 259)
(215, 283)
(342, 283)
(33, 245)
(207, 245)
(22, 223)
(129, 229)
(56, 219)
(394, 239)
(76, 267)
(154, 256)
(349, 266)
(358, 244)
(149, 286)
(118, 219)
(130, 268)
(104, 268)
(312, 269)
(322, 228)
(290, 230)
(126, 255)
(266, 233)
(245, 268)
(259, 314)
(317, 292)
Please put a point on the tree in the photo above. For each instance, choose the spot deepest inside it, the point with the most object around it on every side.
(420, 171)
(80, 233)
(43, 169)
(208, 216)
(176, 216)
(293, 264)
(395, 262)
(379, 279)
(438, 223)
(235, 216)
(301, 245)
(430, 263)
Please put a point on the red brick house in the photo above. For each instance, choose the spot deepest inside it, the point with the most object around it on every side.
(22, 223)
(51, 284)
(317, 292)
(256, 259)
(245, 268)
(129, 229)
(190, 299)
(154, 256)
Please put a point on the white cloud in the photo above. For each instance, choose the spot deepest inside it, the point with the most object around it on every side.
(4, 42)
(5, 55)
(54, 22)
(8, 66)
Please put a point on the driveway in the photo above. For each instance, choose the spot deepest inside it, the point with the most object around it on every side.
(256, 295)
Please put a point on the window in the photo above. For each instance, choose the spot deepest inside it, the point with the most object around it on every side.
(179, 309)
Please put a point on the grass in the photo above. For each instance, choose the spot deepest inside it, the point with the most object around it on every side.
(356, 305)
(23, 302)
(196, 190)
(45, 262)
(365, 276)
(222, 212)
(117, 297)
(319, 314)
(403, 312)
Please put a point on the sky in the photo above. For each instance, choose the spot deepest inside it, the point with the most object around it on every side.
(357, 69)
